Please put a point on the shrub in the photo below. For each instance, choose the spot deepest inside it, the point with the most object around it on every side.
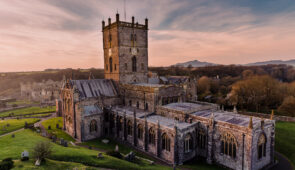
(6, 164)
(42, 150)
(114, 154)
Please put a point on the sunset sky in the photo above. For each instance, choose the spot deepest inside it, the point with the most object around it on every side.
(40, 34)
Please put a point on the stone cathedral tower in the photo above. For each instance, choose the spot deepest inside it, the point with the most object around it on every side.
(125, 48)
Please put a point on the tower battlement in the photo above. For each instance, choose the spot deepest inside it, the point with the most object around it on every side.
(119, 23)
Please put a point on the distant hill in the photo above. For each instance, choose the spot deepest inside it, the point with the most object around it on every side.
(195, 63)
(288, 62)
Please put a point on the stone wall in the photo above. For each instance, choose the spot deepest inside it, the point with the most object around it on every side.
(46, 91)
(122, 49)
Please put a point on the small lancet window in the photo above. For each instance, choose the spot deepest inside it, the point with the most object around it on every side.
(93, 126)
(140, 132)
(261, 146)
(129, 128)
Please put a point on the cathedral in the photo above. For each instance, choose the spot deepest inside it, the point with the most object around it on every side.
(164, 120)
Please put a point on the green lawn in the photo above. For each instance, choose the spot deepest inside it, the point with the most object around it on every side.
(55, 131)
(50, 164)
(38, 115)
(22, 102)
(10, 125)
(29, 110)
(97, 143)
(26, 139)
(285, 140)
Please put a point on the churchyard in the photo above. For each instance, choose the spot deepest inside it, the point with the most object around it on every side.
(85, 155)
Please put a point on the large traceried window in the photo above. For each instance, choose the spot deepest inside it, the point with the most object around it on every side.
(165, 142)
(140, 131)
(261, 146)
(134, 64)
(93, 126)
(188, 143)
(129, 128)
(152, 136)
(228, 145)
(201, 138)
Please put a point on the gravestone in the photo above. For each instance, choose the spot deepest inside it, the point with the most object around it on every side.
(38, 162)
(99, 155)
(61, 141)
(25, 156)
(65, 143)
(54, 138)
(117, 148)
(130, 157)
(105, 141)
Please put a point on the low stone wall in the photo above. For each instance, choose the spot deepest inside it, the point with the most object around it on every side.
(276, 117)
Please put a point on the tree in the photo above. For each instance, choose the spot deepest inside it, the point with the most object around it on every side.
(257, 93)
(288, 106)
(203, 84)
(42, 150)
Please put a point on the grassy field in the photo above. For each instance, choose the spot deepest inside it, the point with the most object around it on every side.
(285, 140)
(56, 131)
(37, 115)
(50, 164)
(26, 139)
(28, 110)
(22, 102)
(10, 125)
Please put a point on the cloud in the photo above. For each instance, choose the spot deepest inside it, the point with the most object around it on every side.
(39, 34)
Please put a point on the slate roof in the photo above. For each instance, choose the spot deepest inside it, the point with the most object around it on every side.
(152, 118)
(229, 117)
(190, 107)
(130, 111)
(92, 109)
(168, 122)
(95, 88)
(154, 80)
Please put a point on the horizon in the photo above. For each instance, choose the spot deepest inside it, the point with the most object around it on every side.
(39, 35)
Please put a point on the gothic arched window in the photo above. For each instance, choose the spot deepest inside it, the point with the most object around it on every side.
(129, 128)
(134, 64)
(120, 124)
(165, 142)
(140, 131)
(261, 146)
(201, 138)
(111, 64)
(188, 143)
(152, 136)
(228, 145)
(137, 104)
(93, 126)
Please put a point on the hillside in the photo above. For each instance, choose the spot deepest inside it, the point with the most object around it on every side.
(194, 63)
